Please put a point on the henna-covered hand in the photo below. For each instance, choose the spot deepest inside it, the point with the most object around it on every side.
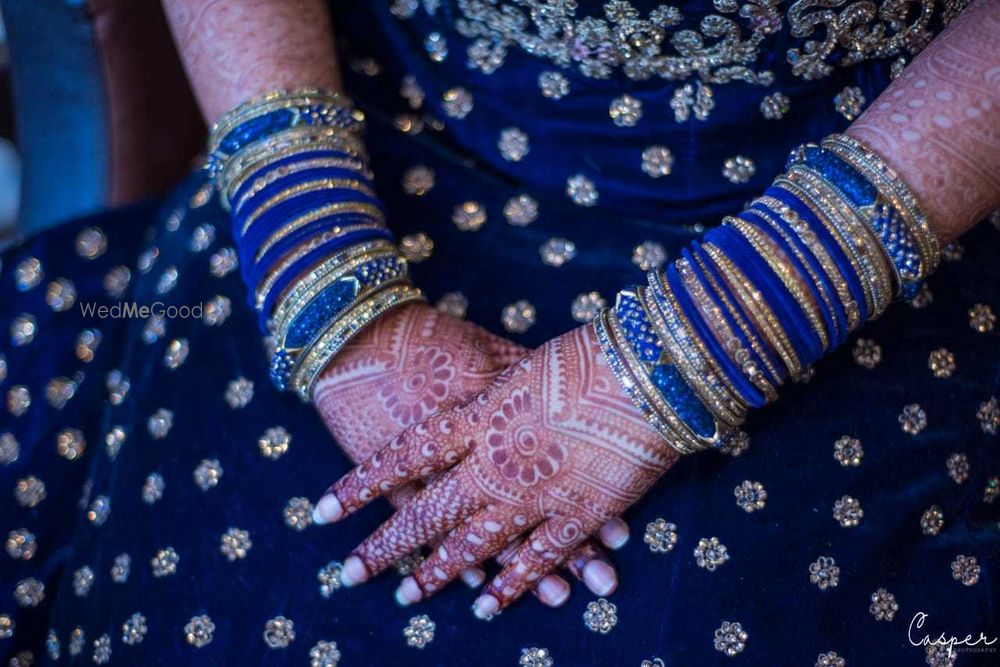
(548, 453)
(415, 362)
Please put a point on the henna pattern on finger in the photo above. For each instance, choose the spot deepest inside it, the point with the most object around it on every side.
(553, 446)
(369, 397)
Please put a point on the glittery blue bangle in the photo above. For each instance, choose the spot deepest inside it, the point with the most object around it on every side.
(894, 235)
(278, 120)
(746, 391)
(833, 248)
(291, 274)
(755, 218)
(709, 266)
(335, 299)
(303, 156)
(790, 313)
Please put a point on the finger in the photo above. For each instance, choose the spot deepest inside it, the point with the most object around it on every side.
(445, 503)
(590, 564)
(552, 590)
(614, 534)
(420, 450)
(548, 545)
(470, 543)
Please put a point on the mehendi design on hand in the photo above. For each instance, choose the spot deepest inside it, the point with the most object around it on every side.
(405, 368)
(549, 452)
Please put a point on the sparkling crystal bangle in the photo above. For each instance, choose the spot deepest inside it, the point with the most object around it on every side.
(342, 330)
(655, 411)
(277, 111)
(325, 303)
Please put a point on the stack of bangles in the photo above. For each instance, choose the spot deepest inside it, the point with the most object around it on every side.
(828, 246)
(313, 247)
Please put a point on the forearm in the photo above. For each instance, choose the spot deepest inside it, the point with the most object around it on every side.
(938, 123)
(235, 50)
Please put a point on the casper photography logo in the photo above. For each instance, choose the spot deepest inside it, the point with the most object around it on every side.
(130, 310)
(930, 636)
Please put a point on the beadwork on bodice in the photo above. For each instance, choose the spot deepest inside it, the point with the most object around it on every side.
(726, 43)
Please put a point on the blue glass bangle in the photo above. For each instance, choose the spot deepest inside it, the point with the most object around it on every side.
(833, 248)
(791, 317)
(307, 260)
(305, 155)
(258, 236)
(279, 214)
(293, 179)
(746, 391)
(709, 266)
(274, 254)
(839, 332)
(755, 218)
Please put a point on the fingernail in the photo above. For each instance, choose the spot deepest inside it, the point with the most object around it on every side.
(614, 534)
(600, 577)
(484, 607)
(354, 572)
(473, 577)
(553, 590)
(408, 592)
(327, 509)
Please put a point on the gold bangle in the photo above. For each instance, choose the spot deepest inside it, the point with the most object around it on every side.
(307, 187)
(757, 309)
(780, 264)
(261, 182)
(891, 186)
(689, 354)
(715, 319)
(369, 210)
(256, 158)
(312, 362)
(294, 140)
(752, 338)
(805, 194)
(300, 251)
(768, 216)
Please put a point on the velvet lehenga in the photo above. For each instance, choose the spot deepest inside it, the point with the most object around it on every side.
(533, 157)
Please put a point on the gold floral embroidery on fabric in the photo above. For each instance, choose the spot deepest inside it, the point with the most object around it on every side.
(859, 30)
(722, 47)
(720, 50)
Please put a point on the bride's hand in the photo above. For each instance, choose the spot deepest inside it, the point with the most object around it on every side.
(411, 364)
(548, 452)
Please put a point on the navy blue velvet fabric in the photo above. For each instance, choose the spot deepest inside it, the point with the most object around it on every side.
(667, 606)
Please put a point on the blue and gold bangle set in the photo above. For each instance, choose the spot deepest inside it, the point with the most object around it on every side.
(314, 250)
(759, 298)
